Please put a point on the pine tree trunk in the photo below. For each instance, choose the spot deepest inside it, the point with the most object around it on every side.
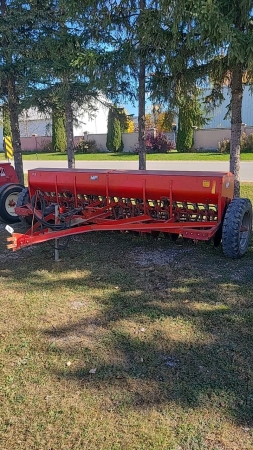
(141, 113)
(3, 7)
(141, 118)
(16, 142)
(70, 135)
(236, 125)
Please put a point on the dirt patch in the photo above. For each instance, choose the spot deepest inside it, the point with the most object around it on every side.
(160, 257)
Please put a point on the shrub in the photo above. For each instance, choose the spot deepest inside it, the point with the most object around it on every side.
(46, 146)
(224, 146)
(89, 146)
(157, 144)
(246, 143)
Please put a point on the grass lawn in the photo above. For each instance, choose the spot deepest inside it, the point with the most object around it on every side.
(127, 343)
(247, 191)
(173, 156)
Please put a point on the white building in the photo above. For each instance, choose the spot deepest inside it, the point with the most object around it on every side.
(34, 123)
(217, 115)
(91, 123)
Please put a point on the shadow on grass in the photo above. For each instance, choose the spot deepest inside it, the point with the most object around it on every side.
(157, 369)
(178, 328)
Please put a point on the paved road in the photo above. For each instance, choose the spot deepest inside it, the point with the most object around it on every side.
(246, 167)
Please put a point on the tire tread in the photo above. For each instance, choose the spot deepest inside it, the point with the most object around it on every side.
(231, 227)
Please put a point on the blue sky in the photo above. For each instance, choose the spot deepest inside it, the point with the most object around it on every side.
(131, 109)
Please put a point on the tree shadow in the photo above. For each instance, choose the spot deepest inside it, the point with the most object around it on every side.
(154, 371)
(174, 327)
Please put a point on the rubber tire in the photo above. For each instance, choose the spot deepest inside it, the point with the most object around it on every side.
(23, 198)
(239, 213)
(5, 191)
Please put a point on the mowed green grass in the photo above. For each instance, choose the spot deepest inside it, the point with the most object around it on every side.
(247, 190)
(172, 156)
(127, 343)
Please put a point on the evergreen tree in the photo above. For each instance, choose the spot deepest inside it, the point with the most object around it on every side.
(70, 81)
(114, 138)
(123, 117)
(127, 54)
(228, 27)
(58, 131)
(185, 139)
(6, 122)
(12, 44)
(190, 116)
(212, 41)
(21, 25)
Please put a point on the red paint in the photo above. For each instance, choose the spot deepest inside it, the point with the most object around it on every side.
(187, 203)
(7, 174)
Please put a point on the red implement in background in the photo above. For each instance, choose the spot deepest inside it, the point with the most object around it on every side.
(9, 192)
(196, 205)
(7, 174)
